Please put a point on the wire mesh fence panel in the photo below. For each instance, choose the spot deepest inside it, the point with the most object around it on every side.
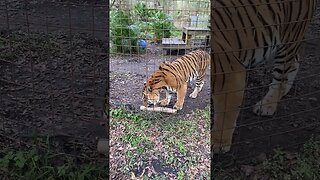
(255, 43)
(54, 72)
(147, 39)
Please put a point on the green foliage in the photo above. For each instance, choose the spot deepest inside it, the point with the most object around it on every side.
(162, 25)
(127, 27)
(305, 165)
(156, 22)
(142, 13)
(124, 36)
(117, 113)
(135, 125)
(181, 175)
(31, 164)
(122, 113)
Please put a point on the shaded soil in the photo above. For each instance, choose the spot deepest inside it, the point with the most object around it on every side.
(53, 78)
(51, 88)
(68, 16)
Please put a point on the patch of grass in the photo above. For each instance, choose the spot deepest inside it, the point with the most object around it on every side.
(180, 126)
(177, 143)
(135, 125)
(138, 140)
(173, 139)
(117, 113)
(180, 175)
(133, 139)
(130, 163)
(31, 164)
(135, 120)
(304, 165)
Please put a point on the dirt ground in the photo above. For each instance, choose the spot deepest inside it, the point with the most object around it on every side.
(68, 16)
(53, 80)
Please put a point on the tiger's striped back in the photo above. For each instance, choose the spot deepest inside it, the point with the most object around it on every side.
(188, 67)
(258, 30)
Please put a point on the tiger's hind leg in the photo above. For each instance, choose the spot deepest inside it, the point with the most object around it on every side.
(284, 73)
(198, 88)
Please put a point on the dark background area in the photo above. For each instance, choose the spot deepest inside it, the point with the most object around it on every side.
(54, 72)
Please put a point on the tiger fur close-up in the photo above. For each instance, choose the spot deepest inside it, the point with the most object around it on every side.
(174, 76)
(245, 33)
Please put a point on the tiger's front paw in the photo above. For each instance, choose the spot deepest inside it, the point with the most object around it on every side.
(265, 108)
(164, 102)
(177, 106)
(193, 95)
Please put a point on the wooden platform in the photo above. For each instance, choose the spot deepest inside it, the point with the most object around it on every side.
(176, 46)
(189, 33)
(173, 43)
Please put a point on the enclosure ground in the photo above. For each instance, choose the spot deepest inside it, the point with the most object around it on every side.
(157, 146)
(52, 88)
(53, 75)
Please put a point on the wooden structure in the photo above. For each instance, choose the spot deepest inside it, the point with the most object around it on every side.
(188, 32)
(173, 43)
(184, 43)
(174, 46)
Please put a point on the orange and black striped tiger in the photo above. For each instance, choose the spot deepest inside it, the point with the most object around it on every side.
(245, 33)
(174, 76)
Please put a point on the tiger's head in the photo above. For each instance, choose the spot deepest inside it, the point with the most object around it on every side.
(150, 96)
(152, 89)
(155, 84)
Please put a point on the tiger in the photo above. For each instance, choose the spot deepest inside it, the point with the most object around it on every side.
(245, 33)
(173, 77)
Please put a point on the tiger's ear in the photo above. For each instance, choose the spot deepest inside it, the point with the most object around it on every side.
(160, 67)
(164, 63)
